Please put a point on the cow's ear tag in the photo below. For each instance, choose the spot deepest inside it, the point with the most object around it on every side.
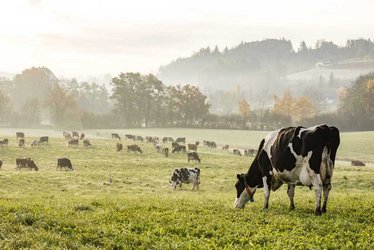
(251, 199)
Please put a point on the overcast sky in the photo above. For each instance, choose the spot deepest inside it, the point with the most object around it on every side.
(92, 37)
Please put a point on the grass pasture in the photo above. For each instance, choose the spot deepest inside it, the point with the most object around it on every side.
(80, 209)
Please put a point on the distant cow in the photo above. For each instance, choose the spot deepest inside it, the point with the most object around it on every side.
(181, 140)
(119, 147)
(20, 135)
(237, 152)
(167, 139)
(249, 152)
(192, 147)
(86, 143)
(165, 151)
(139, 138)
(134, 148)
(21, 143)
(75, 134)
(193, 156)
(35, 143)
(67, 136)
(179, 148)
(115, 136)
(1, 163)
(210, 144)
(130, 137)
(82, 136)
(64, 163)
(357, 163)
(44, 139)
(5, 141)
(1, 144)
(26, 163)
(158, 147)
(73, 142)
(226, 147)
(185, 175)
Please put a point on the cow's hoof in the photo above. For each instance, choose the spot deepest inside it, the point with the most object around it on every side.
(324, 210)
(317, 212)
(292, 207)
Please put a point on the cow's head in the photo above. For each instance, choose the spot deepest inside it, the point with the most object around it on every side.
(244, 193)
(175, 179)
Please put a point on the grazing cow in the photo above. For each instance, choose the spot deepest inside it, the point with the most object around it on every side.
(31, 165)
(116, 136)
(82, 136)
(139, 138)
(75, 134)
(64, 163)
(86, 143)
(237, 152)
(167, 139)
(226, 147)
(192, 147)
(35, 143)
(134, 148)
(165, 151)
(20, 135)
(73, 142)
(26, 163)
(249, 152)
(210, 144)
(5, 141)
(119, 147)
(178, 149)
(293, 155)
(193, 156)
(185, 175)
(130, 137)
(1, 163)
(44, 139)
(21, 143)
(181, 140)
(67, 136)
(357, 163)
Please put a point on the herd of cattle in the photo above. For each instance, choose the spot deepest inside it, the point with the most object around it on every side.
(296, 156)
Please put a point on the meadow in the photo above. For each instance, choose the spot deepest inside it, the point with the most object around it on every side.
(81, 209)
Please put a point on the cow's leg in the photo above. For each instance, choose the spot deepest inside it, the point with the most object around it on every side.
(291, 194)
(326, 191)
(267, 184)
(317, 185)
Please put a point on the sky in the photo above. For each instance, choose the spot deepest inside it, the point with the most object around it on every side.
(88, 38)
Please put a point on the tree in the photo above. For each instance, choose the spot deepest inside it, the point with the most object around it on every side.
(3, 105)
(62, 106)
(285, 105)
(245, 111)
(304, 108)
(30, 113)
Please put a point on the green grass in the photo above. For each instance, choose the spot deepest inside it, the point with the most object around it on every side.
(79, 209)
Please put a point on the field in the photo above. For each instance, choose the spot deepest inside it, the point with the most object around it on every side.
(80, 209)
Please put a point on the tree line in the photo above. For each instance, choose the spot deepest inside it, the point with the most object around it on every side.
(37, 98)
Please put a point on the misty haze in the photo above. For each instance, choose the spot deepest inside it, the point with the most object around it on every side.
(127, 125)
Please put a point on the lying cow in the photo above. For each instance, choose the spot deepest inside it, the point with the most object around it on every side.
(64, 163)
(119, 147)
(296, 156)
(193, 156)
(185, 175)
(134, 148)
(116, 136)
(44, 139)
(357, 163)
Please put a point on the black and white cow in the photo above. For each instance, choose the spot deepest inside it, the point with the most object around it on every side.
(296, 156)
(185, 175)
